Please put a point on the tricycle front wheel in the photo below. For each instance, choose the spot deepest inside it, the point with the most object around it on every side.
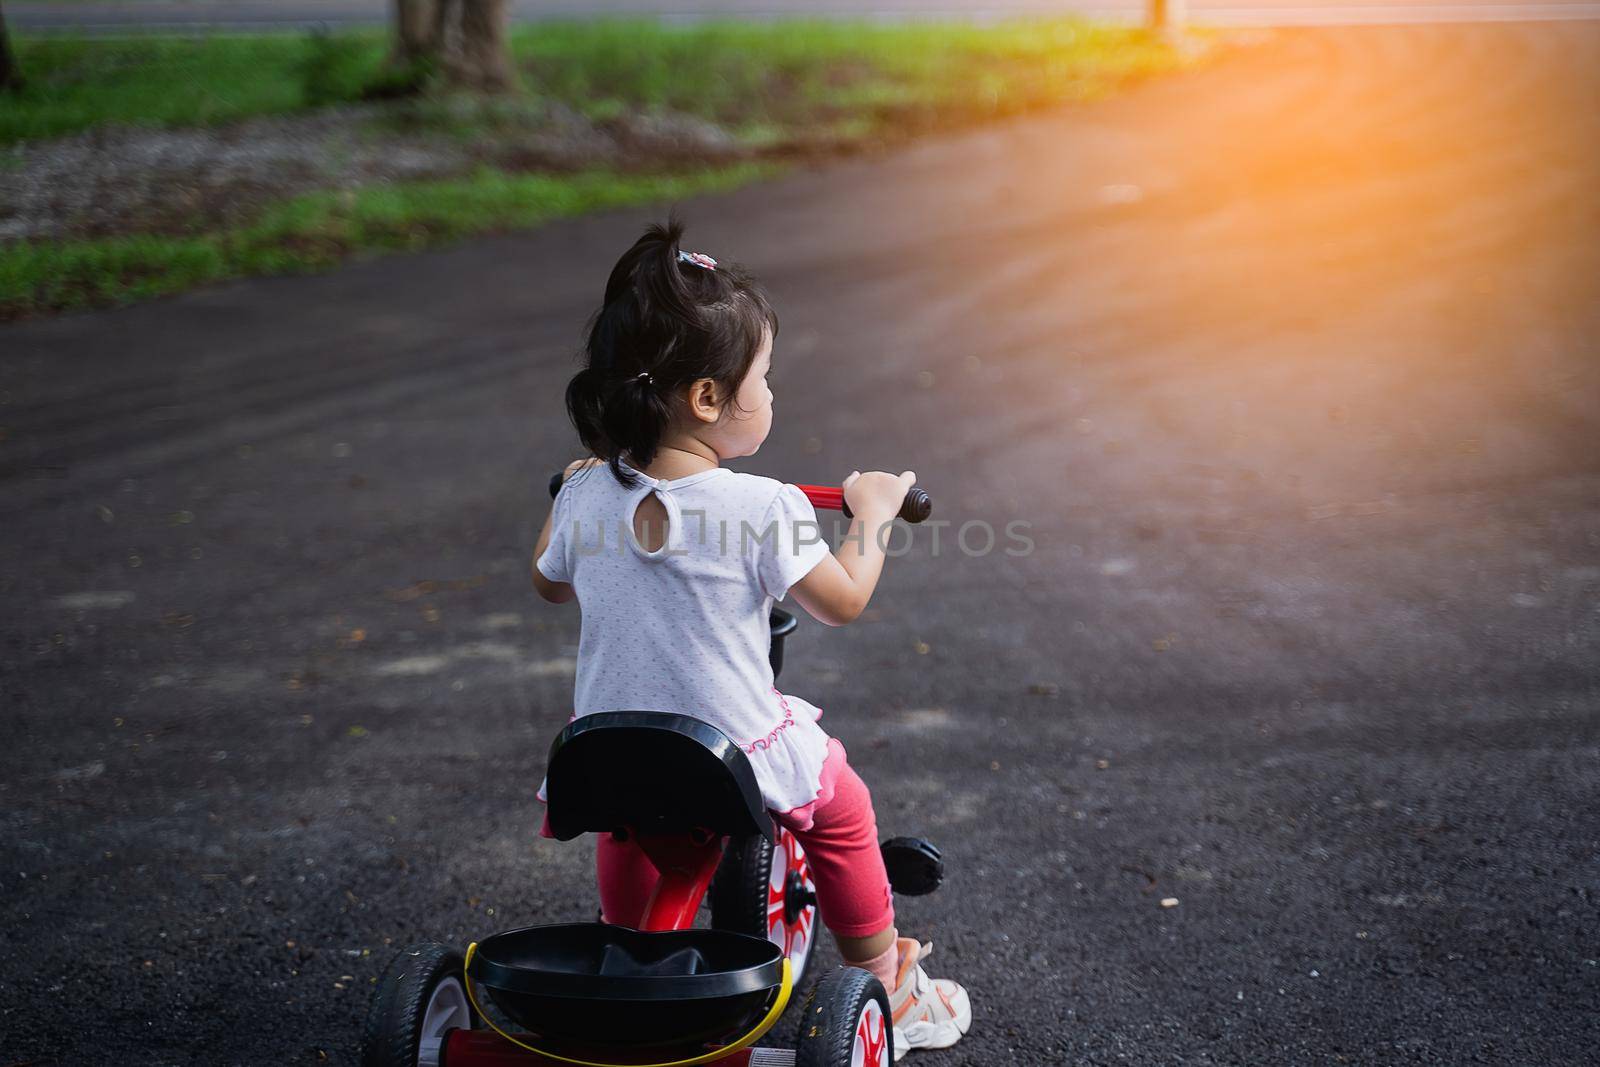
(418, 1001)
(846, 1023)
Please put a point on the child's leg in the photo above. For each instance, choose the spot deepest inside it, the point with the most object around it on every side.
(626, 877)
(856, 903)
(853, 893)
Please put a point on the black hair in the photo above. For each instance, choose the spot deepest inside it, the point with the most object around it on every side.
(672, 320)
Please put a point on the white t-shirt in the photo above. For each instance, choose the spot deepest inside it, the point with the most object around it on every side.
(685, 628)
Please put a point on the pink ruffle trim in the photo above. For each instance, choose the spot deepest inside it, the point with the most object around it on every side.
(833, 764)
(796, 819)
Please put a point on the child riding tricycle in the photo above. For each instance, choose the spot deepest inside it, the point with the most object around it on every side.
(700, 781)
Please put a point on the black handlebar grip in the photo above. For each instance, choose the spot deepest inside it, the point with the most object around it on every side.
(555, 483)
(916, 507)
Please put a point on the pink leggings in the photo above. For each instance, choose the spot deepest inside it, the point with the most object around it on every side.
(841, 842)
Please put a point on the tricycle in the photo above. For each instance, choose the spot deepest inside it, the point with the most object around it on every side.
(666, 994)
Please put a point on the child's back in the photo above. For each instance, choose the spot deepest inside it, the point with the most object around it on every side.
(684, 628)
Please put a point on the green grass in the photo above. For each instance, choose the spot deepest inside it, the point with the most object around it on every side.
(773, 84)
(75, 83)
(764, 79)
(317, 231)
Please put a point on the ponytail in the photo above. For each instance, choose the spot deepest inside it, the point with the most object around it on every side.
(664, 323)
(617, 417)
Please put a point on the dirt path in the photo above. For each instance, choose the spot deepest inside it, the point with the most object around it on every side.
(1291, 366)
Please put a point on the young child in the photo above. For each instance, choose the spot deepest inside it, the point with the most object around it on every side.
(674, 617)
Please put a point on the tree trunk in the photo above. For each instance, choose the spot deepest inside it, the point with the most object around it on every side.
(416, 31)
(483, 59)
(10, 75)
(465, 41)
(446, 29)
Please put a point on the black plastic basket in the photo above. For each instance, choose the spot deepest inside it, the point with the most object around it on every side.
(580, 987)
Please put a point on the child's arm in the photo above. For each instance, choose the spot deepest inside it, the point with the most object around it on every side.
(554, 592)
(837, 590)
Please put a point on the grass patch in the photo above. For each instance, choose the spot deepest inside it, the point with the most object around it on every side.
(767, 81)
(320, 230)
(775, 85)
(74, 83)
(764, 80)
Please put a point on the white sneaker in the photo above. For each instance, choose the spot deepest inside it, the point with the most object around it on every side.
(927, 1012)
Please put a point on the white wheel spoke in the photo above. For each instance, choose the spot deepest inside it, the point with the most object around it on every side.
(447, 1009)
(871, 1046)
(788, 858)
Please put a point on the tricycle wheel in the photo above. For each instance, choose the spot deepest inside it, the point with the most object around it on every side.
(846, 1023)
(419, 999)
(768, 891)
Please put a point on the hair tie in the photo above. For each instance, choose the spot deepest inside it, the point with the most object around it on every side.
(645, 375)
(699, 259)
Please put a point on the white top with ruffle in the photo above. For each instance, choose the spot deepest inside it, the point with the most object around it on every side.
(685, 628)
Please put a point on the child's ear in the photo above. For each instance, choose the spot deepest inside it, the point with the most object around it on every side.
(704, 403)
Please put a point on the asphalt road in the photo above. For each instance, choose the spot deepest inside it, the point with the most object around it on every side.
(1290, 365)
(107, 16)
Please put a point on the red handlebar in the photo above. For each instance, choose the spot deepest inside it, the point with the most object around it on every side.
(916, 506)
(824, 496)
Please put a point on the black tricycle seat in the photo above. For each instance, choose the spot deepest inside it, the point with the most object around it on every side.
(656, 772)
(653, 772)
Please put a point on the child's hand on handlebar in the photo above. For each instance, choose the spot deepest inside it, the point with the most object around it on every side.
(877, 493)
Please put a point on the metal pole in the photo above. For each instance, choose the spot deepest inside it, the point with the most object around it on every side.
(1166, 16)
